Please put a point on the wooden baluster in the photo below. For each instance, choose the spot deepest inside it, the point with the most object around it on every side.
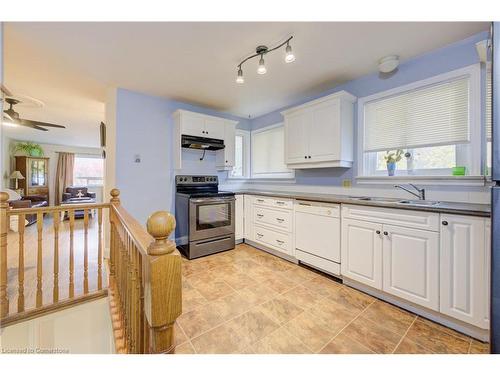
(163, 298)
(20, 266)
(71, 292)
(99, 250)
(85, 251)
(4, 219)
(39, 260)
(55, 293)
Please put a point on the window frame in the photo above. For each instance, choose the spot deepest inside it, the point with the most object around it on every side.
(471, 152)
(246, 157)
(91, 156)
(270, 176)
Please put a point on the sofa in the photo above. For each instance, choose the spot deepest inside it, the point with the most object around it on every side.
(30, 201)
(75, 193)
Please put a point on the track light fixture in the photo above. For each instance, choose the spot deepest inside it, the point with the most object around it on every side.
(261, 51)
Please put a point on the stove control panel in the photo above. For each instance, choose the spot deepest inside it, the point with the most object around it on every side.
(196, 180)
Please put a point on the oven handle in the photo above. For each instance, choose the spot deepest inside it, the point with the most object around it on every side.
(212, 200)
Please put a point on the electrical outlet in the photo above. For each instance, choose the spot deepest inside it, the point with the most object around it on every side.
(347, 183)
(137, 158)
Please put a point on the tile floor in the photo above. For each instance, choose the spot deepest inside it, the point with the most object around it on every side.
(248, 301)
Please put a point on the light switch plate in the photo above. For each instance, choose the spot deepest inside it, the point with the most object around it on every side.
(347, 183)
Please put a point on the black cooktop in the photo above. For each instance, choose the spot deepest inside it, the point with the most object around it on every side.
(207, 194)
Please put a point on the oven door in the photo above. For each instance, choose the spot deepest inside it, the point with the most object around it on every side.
(210, 217)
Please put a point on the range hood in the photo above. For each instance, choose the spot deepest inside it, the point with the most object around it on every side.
(201, 143)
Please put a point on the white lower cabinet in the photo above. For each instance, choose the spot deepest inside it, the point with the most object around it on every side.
(248, 217)
(464, 269)
(239, 212)
(361, 252)
(411, 265)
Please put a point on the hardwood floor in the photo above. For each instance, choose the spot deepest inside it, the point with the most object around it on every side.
(247, 301)
(30, 262)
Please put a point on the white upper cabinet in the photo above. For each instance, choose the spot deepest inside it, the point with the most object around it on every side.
(200, 125)
(465, 269)
(319, 134)
(225, 157)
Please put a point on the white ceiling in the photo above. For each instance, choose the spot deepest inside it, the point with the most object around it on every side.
(69, 66)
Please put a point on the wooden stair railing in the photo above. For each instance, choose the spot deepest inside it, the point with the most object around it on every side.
(144, 271)
(145, 281)
(33, 241)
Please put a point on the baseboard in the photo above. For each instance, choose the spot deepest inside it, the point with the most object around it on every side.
(457, 325)
(272, 251)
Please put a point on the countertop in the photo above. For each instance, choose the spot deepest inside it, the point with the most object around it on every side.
(472, 209)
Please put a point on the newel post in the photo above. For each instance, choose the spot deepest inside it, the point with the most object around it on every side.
(163, 287)
(4, 225)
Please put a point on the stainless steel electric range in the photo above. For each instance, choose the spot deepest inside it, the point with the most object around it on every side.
(204, 215)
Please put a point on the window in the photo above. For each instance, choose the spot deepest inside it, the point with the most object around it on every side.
(241, 168)
(268, 153)
(88, 171)
(435, 124)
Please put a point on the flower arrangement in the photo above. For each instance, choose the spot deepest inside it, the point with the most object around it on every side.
(391, 158)
(29, 148)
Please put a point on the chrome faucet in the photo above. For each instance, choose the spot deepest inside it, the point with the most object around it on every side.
(420, 192)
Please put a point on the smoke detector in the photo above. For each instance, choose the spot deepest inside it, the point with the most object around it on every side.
(388, 63)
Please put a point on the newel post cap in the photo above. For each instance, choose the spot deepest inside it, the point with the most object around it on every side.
(4, 197)
(115, 195)
(160, 225)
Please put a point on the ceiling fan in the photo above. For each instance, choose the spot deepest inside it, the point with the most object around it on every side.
(13, 117)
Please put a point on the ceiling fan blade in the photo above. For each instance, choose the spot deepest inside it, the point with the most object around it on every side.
(7, 117)
(33, 126)
(31, 122)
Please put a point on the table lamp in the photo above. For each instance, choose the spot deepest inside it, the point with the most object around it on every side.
(16, 175)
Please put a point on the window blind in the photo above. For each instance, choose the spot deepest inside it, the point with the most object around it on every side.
(424, 117)
(488, 115)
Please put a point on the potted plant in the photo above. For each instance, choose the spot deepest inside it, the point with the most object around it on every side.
(391, 158)
(29, 148)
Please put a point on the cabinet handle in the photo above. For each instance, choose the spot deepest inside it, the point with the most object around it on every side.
(386, 234)
(445, 222)
(309, 156)
(260, 215)
(304, 204)
(378, 232)
(280, 242)
(280, 202)
(260, 234)
(280, 220)
(260, 200)
(305, 157)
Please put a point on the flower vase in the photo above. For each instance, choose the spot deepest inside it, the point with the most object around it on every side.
(391, 168)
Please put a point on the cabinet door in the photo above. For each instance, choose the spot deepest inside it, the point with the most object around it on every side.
(361, 252)
(214, 128)
(463, 281)
(248, 219)
(324, 135)
(192, 124)
(239, 212)
(487, 274)
(296, 137)
(411, 265)
(229, 143)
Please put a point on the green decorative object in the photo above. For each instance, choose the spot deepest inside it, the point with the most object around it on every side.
(458, 171)
(29, 148)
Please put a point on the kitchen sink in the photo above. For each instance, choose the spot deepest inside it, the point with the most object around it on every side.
(374, 199)
(419, 203)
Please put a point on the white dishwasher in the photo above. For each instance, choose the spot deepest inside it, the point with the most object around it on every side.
(317, 235)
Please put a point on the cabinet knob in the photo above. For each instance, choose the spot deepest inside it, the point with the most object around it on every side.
(386, 234)
(305, 157)
(445, 222)
(309, 156)
(378, 232)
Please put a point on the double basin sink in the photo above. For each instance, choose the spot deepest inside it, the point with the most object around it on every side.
(406, 202)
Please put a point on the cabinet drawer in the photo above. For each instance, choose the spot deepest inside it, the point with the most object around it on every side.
(402, 217)
(317, 208)
(278, 218)
(276, 240)
(274, 202)
(318, 262)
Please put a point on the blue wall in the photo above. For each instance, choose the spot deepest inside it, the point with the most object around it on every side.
(451, 57)
(144, 126)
